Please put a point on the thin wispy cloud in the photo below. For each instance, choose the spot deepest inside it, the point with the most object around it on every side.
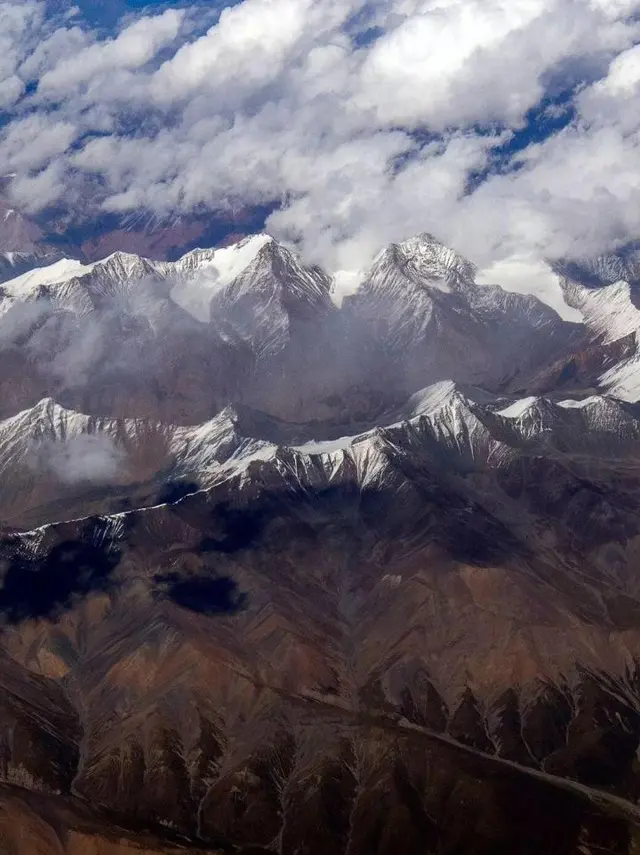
(82, 458)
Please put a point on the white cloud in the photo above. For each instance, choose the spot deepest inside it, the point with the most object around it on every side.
(577, 193)
(439, 66)
(346, 216)
(457, 63)
(52, 49)
(612, 101)
(523, 274)
(135, 46)
(18, 21)
(40, 189)
(364, 142)
(246, 48)
(90, 458)
(35, 142)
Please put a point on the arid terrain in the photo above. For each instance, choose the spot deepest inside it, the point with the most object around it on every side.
(289, 573)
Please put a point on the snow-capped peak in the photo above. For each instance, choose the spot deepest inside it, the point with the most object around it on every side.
(121, 266)
(426, 257)
(46, 409)
(292, 276)
(224, 262)
(432, 399)
(60, 271)
(201, 272)
(608, 312)
(518, 409)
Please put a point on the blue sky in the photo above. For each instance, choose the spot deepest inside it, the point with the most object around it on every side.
(107, 13)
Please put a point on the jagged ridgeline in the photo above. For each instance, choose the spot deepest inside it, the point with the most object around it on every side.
(291, 570)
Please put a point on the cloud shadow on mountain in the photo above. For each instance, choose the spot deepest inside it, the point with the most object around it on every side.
(204, 595)
(240, 528)
(44, 587)
(174, 490)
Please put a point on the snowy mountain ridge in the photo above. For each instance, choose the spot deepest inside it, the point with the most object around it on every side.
(417, 317)
(421, 259)
(461, 423)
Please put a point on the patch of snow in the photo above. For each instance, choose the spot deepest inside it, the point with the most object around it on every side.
(623, 380)
(609, 311)
(578, 404)
(201, 273)
(431, 399)
(370, 459)
(522, 274)
(325, 446)
(517, 408)
(52, 274)
(230, 261)
(249, 452)
(438, 264)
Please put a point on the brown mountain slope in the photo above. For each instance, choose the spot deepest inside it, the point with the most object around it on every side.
(251, 662)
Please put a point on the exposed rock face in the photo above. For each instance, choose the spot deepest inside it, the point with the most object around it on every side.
(283, 576)
(176, 342)
(425, 314)
(18, 233)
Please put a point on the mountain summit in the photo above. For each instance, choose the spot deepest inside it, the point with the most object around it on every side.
(282, 575)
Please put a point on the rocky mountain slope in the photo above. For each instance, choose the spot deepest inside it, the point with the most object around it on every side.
(288, 573)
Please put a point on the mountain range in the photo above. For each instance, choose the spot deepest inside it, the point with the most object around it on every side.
(288, 569)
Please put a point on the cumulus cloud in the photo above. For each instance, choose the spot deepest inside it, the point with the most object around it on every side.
(245, 49)
(134, 47)
(17, 22)
(35, 142)
(366, 121)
